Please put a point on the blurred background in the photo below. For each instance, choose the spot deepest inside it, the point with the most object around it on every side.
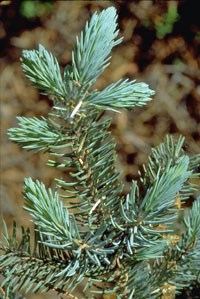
(161, 47)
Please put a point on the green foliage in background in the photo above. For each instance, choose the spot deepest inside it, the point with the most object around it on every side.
(31, 9)
(165, 26)
(86, 232)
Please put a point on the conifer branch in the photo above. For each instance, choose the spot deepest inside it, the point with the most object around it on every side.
(121, 95)
(36, 134)
(91, 54)
(87, 230)
(43, 70)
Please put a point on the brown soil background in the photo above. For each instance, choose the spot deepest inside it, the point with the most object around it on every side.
(169, 65)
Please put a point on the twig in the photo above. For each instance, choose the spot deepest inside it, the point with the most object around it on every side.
(76, 109)
(68, 294)
(4, 294)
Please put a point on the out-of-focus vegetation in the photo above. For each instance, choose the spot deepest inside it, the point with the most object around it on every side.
(32, 9)
(166, 24)
(161, 47)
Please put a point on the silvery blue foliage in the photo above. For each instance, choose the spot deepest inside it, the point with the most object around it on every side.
(87, 230)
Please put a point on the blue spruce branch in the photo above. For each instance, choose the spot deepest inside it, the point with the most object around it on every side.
(87, 231)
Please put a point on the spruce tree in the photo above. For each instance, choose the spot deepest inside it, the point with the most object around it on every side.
(86, 231)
